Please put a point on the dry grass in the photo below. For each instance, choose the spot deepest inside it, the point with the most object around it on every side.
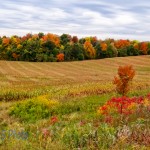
(47, 73)
(21, 80)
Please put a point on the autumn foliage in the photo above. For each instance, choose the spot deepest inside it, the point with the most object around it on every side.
(104, 46)
(122, 43)
(60, 57)
(47, 47)
(144, 47)
(125, 76)
(124, 109)
(51, 37)
(89, 49)
(124, 105)
(75, 39)
(5, 41)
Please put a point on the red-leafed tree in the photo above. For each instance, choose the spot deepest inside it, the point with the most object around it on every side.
(143, 47)
(75, 39)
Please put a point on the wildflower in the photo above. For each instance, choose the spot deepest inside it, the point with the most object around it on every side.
(123, 105)
(54, 120)
(103, 110)
(82, 123)
(132, 106)
(45, 132)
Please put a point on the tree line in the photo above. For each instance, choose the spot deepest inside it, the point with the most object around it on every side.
(50, 48)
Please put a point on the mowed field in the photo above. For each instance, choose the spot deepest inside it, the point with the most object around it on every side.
(64, 80)
(20, 80)
(70, 72)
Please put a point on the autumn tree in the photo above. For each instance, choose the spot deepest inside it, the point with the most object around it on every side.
(52, 38)
(111, 50)
(40, 34)
(103, 46)
(125, 76)
(143, 48)
(119, 44)
(89, 50)
(6, 41)
(101, 49)
(60, 57)
(75, 39)
(64, 39)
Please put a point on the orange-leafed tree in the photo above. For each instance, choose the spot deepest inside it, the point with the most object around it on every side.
(103, 46)
(144, 47)
(125, 76)
(60, 57)
(122, 43)
(15, 56)
(90, 52)
(35, 36)
(51, 37)
(6, 41)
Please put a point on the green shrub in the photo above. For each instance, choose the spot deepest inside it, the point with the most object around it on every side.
(99, 52)
(111, 51)
(74, 51)
(122, 52)
(81, 57)
(77, 52)
(34, 109)
(131, 51)
(52, 58)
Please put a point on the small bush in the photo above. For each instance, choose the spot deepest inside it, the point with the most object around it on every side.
(34, 109)
(122, 52)
(125, 76)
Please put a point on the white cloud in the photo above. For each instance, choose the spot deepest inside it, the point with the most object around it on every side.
(105, 19)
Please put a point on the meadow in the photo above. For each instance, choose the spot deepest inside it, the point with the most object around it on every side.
(54, 105)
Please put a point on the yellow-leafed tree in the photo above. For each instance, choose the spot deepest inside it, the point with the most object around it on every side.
(89, 50)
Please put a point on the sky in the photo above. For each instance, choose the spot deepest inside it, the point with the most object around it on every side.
(118, 19)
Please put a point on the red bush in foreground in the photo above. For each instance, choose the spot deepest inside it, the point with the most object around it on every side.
(124, 106)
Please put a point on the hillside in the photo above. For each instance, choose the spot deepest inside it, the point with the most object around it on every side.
(66, 99)
(14, 72)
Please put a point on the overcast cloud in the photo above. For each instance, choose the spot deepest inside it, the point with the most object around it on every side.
(128, 19)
